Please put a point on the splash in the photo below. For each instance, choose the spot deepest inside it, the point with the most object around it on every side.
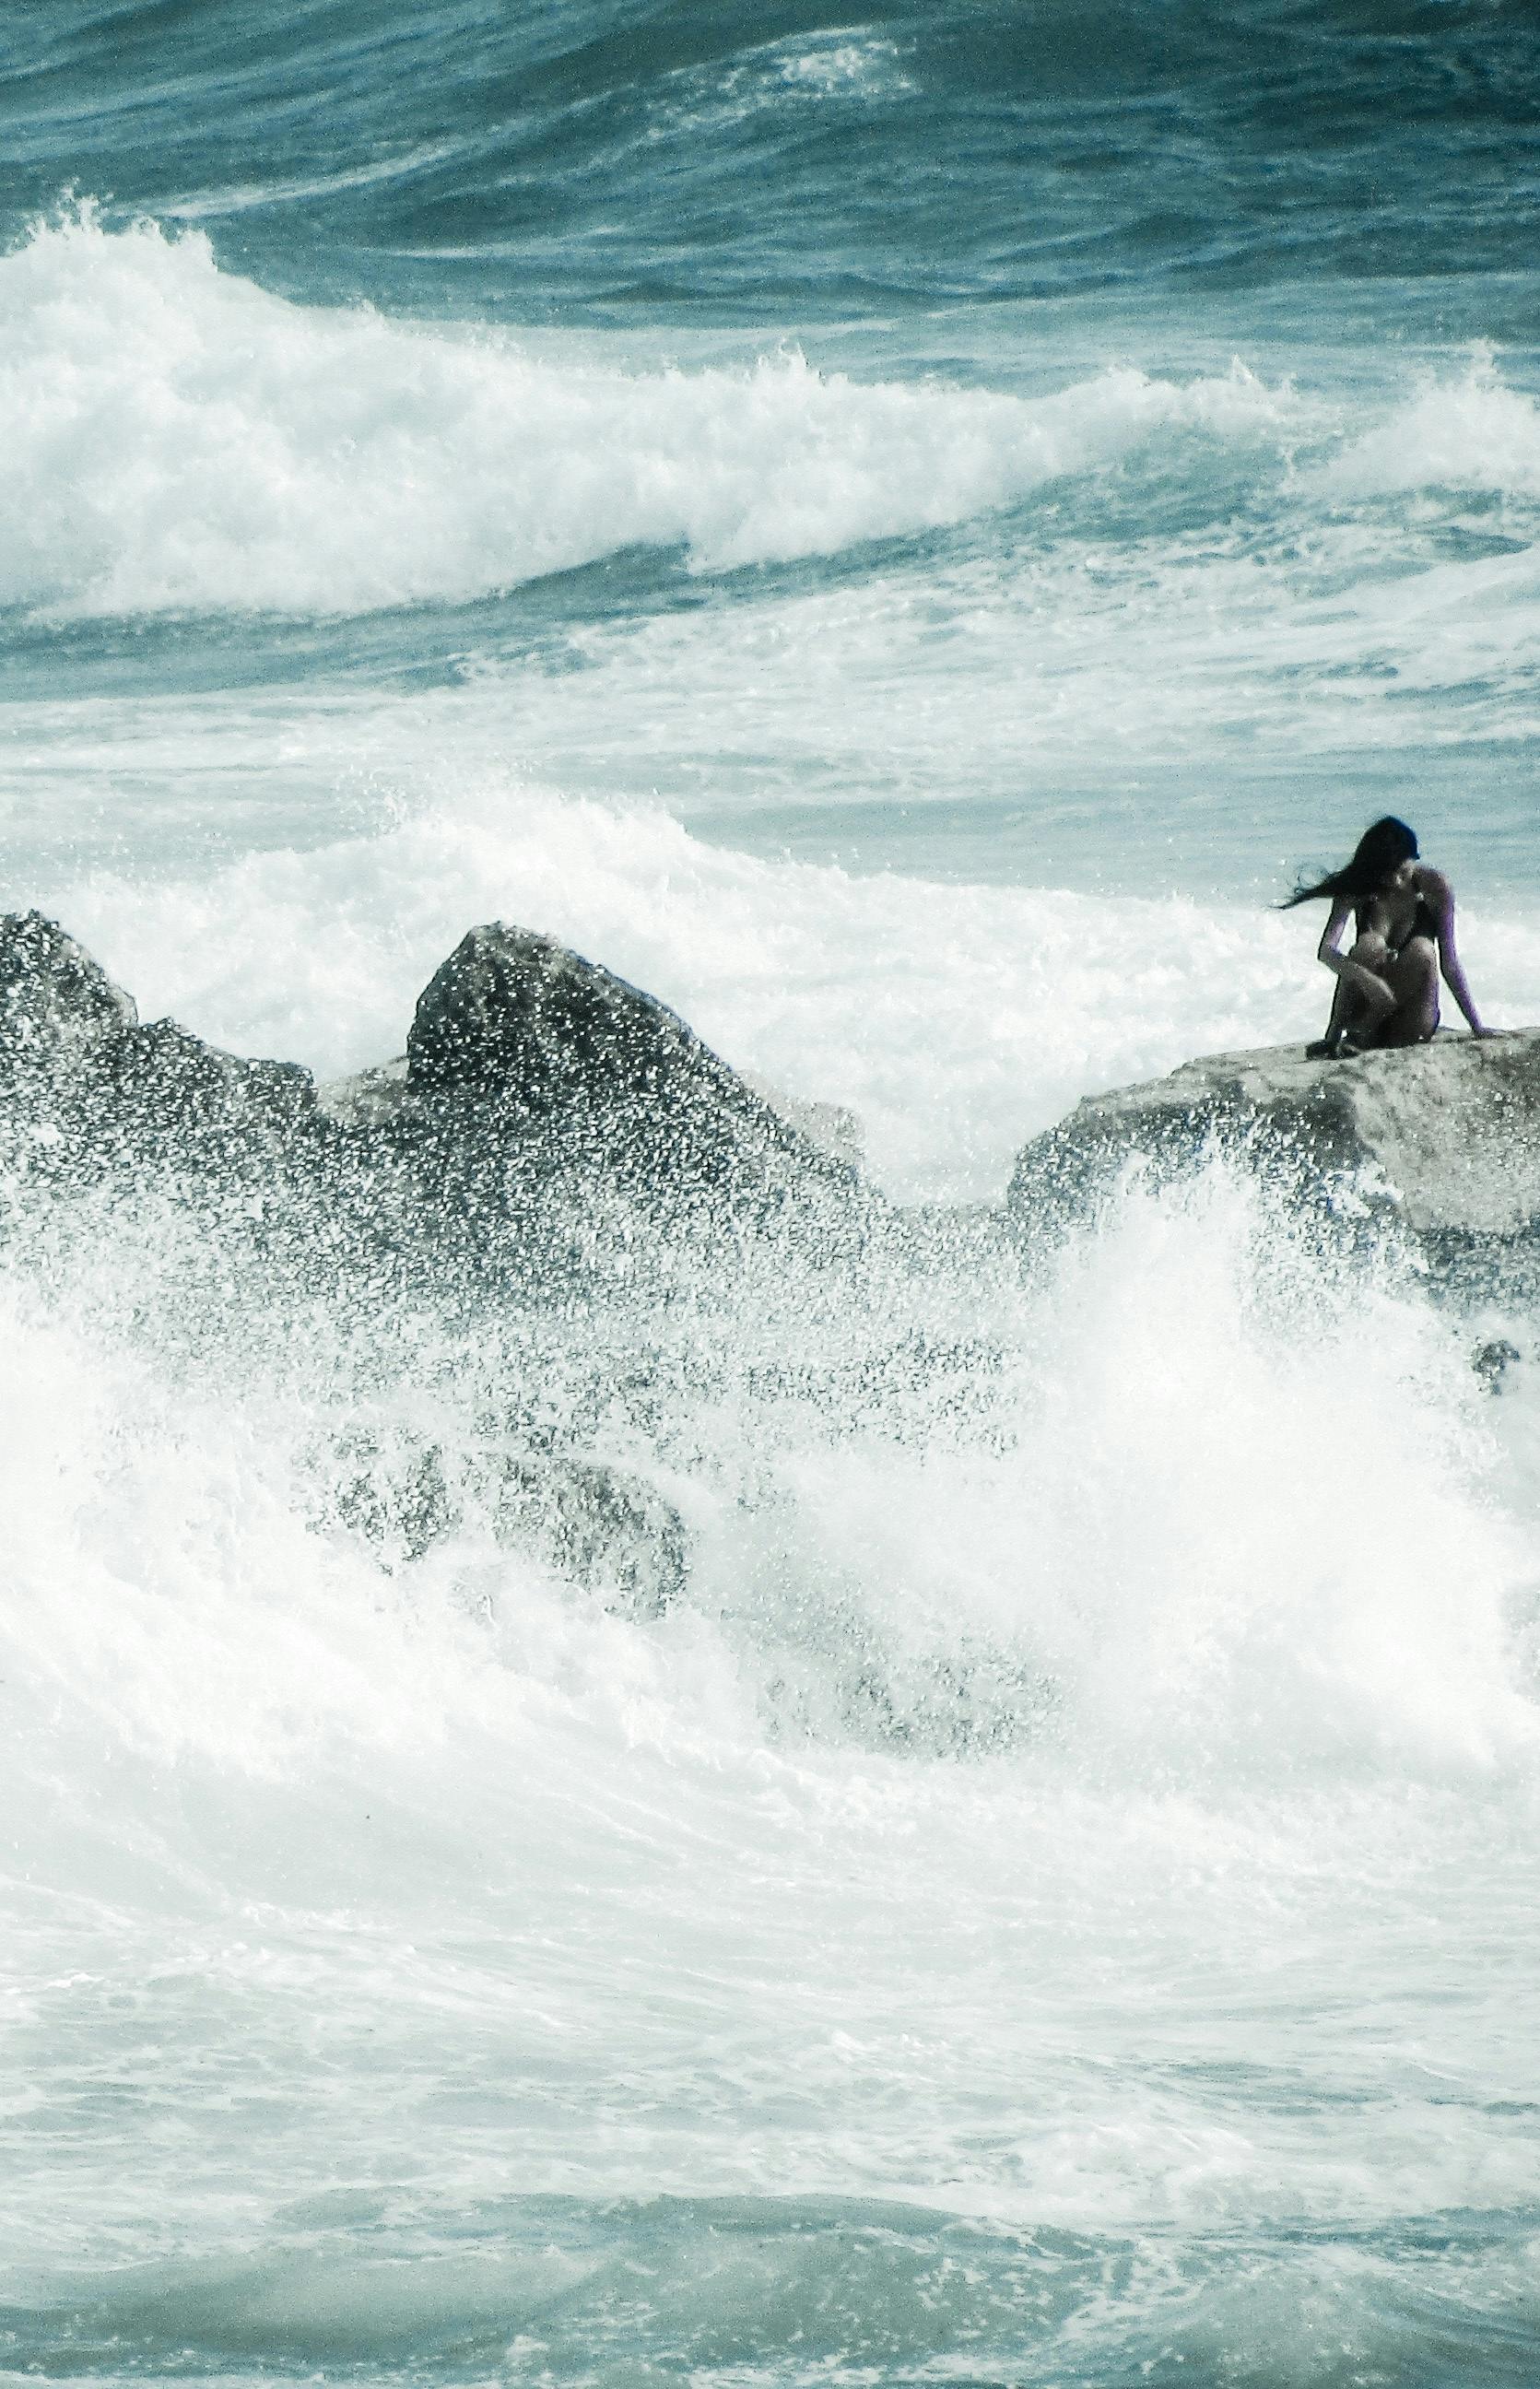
(1471, 433)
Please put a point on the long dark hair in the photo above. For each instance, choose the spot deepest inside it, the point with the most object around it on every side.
(1383, 847)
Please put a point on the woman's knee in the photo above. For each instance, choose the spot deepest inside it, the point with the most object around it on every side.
(1414, 973)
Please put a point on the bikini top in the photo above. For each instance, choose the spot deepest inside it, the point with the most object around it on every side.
(1423, 924)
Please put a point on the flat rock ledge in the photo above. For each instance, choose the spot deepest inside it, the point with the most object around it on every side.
(1447, 1134)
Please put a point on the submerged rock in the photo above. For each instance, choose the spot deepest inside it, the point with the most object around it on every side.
(1492, 1361)
(1447, 1132)
(601, 1527)
(605, 1531)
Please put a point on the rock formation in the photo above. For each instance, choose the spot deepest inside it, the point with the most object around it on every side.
(59, 1013)
(568, 1069)
(604, 1529)
(534, 1084)
(90, 1086)
(1446, 1134)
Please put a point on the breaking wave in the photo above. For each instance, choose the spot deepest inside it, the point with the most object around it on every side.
(178, 439)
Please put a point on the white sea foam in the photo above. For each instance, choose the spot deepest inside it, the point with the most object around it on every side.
(335, 1826)
(1191, 1404)
(1111, 1501)
(1473, 433)
(176, 437)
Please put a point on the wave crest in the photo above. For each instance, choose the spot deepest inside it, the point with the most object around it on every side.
(180, 440)
(1471, 435)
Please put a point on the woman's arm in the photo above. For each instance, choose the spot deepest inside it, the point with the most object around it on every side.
(1377, 992)
(1440, 899)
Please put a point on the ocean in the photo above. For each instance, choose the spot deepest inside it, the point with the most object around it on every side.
(903, 535)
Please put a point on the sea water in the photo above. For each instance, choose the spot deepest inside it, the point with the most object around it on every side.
(901, 534)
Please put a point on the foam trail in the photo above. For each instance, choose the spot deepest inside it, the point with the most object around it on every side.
(177, 438)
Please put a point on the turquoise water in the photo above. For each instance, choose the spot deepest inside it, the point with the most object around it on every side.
(903, 536)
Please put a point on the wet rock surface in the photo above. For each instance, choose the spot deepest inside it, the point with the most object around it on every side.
(582, 1064)
(88, 1090)
(60, 1015)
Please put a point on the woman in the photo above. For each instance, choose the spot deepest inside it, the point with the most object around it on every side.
(1387, 982)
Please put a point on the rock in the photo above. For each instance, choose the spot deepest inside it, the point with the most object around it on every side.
(60, 1015)
(395, 1494)
(510, 1014)
(601, 1527)
(548, 1124)
(515, 1016)
(605, 1531)
(1447, 1132)
(593, 1071)
(1492, 1362)
(73, 1042)
(174, 1089)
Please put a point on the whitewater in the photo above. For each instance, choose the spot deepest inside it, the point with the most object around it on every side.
(901, 538)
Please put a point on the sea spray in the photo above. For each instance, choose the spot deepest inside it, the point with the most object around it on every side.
(905, 539)
(1028, 1645)
(1031, 1662)
(1081, 1469)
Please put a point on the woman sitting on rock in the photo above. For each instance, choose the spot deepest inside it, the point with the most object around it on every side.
(1403, 934)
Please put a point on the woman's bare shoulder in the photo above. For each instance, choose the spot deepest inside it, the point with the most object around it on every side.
(1434, 883)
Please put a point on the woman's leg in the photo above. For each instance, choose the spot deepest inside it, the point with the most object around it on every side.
(1413, 976)
(1351, 1014)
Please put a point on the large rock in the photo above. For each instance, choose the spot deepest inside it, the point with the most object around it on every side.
(517, 1015)
(594, 1073)
(1447, 1132)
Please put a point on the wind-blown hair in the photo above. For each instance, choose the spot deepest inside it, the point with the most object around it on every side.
(1383, 847)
